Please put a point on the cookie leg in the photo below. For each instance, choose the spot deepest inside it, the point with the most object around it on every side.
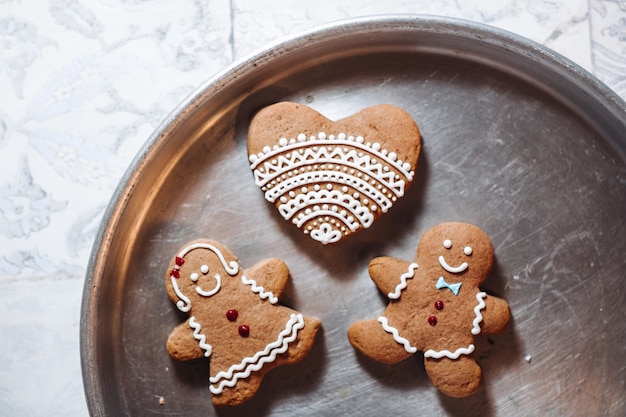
(242, 392)
(246, 388)
(369, 337)
(454, 377)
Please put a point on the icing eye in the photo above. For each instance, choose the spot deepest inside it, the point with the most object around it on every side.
(467, 250)
(194, 277)
(447, 243)
(204, 269)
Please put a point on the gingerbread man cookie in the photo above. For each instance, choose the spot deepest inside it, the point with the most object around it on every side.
(234, 319)
(435, 306)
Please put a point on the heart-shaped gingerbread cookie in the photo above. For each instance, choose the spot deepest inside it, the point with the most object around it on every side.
(332, 178)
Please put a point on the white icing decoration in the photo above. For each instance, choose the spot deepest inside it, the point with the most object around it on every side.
(403, 282)
(231, 268)
(451, 355)
(264, 295)
(452, 269)
(250, 364)
(335, 197)
(200, 337)
(396, 335)
(467, 250)
(326, 234)
(368, 191)
(184, 304)
(321, 154)
(370, 179)
(204, 269)
(475, 330)
(209, 293)
(430, 353)
(480, 297)
(447, 243)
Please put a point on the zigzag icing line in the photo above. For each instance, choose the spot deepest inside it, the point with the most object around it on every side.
(264, 295)
(313, 177)
(280, 166)
(322, 140)
(364, 164)
(451, 355)
(250, 364)
(480, 297)
(313, 198)
(396, 335)
(200, 337)
(403, 282)
(296, 151)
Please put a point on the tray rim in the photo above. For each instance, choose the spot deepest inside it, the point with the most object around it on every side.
(588, 83)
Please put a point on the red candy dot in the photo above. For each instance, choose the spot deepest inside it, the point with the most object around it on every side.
(432, 320)
(244, 330)
(174, 273)
(439, 305)
(179, 261)
(231, 315)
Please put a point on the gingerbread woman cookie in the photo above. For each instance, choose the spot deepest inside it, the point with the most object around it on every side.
(436, 306)
(234, 319)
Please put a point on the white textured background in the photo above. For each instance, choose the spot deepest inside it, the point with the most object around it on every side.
(83, 83)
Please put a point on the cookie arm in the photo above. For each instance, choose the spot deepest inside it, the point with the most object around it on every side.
(456, 378)
(270, 274)
(369, 337)
(496, 315)
(181, 344)
(387, 273)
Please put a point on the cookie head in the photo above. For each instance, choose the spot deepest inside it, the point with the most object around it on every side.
(198, 271)
(457, 250)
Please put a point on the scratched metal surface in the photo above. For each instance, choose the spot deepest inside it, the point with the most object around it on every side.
(516, 140)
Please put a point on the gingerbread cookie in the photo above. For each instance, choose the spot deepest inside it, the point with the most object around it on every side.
(332, 178)
(234, 319)
(436, 306)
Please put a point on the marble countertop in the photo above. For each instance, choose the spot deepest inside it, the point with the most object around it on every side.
(84, 84)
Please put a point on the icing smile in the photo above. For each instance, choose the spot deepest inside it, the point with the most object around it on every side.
(452, 269)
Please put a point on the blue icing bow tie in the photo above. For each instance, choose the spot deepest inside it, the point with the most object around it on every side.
(441, 284)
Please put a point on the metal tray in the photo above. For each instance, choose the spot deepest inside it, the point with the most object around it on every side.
(516, 139)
